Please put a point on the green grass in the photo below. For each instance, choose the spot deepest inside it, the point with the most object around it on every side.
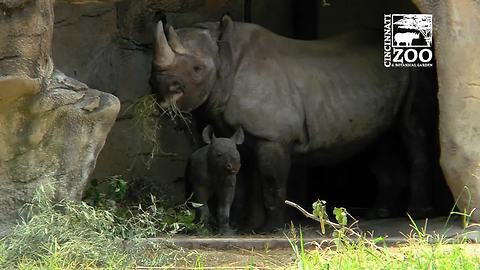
(78, 236)
(350, 250)
(414, 255)
(66, 235)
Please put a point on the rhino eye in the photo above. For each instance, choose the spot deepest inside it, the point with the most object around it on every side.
(197, 68)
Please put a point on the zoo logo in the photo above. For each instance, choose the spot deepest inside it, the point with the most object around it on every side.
(407, 40)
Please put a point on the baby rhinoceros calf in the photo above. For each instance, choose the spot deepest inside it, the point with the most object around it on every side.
(211, 173)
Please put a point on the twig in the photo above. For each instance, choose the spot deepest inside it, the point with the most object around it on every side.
(334, 225)
(307, 214)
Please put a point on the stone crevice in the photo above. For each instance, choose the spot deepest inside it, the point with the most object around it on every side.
(9, 57)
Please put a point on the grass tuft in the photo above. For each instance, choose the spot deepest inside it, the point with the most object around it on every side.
(416, 253)
(350, 249)
(67, 235)
(146, 113)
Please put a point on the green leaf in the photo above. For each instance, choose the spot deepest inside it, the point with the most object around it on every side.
(340, 215)
(379, 240)
(320, 212)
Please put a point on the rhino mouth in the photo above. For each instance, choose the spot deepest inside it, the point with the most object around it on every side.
(171, 110)
(235, 169)
(171, 100)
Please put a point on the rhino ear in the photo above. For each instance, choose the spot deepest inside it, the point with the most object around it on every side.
(238, 137)
(225, 50)
(208, 135)
(226, 28)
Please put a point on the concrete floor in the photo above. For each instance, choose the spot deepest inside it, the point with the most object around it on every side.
(392, 229)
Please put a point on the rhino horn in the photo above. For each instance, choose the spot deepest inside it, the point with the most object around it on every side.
(174, 41)
(163, 53)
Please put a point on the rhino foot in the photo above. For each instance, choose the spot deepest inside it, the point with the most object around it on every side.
(226, 230)
(421, 212)
(271, 227)
(380, 212)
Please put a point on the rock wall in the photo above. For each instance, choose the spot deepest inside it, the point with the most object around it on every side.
(109, 46)
(456, 37)
(52, 127)
(345, 15)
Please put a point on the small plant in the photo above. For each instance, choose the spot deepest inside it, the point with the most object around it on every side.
(351, 249)
(68, 235)
(198, 265)
(465, 216)
(342, 233)
(106, 193)
(154, 219)
(147, 217)
(320, 212)
(56, 232)
(339, 235)
(298, 247)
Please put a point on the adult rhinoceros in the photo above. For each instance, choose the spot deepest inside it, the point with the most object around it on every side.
(297, 101)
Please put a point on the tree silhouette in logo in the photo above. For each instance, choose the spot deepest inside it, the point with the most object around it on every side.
(419, 22)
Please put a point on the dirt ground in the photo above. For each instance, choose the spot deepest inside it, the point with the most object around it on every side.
(267, 259)
(246, 259)
(273, 251)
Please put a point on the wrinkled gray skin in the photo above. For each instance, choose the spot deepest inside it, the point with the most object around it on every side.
(211, 172)
(315, 102)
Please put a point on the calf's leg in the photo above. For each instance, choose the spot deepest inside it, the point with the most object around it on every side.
(201, 196)
(225, 197)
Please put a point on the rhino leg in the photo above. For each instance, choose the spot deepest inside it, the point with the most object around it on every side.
(201, 196)
(238, 208)
(273, 165)
(420, 183)
(416, 141)
(387, 166)
(417, 130)
(225, 199)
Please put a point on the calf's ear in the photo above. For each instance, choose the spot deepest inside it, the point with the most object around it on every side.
(207, 134)
(238, 137)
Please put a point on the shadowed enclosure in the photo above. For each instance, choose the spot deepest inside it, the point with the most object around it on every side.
(101, 56)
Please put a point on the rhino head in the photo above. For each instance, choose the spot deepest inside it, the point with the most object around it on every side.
(222, 155)
(187, 64)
